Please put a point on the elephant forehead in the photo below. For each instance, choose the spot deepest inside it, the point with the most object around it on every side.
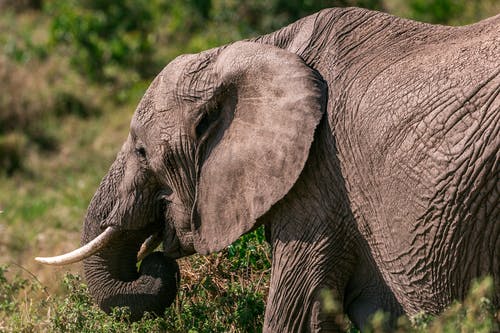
(158, 103)
(182, 85)
(160, 95)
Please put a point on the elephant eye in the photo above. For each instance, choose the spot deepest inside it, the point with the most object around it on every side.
(141, 152)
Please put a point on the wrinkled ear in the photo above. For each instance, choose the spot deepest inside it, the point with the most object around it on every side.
(272, 102)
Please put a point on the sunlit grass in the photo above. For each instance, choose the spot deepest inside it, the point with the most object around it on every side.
(211, 299)
(218, 293)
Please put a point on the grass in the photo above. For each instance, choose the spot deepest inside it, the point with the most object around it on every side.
(211, 299)
(216, 295)
(43, 206)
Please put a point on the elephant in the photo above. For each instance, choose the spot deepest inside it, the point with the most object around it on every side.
(366, 144)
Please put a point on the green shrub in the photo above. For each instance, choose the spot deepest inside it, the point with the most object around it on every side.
(103, 35)
(216, 295)
(476, 314)
(437, 11)
(451, 12)
(264, 16)
(249, 252)
(17, 312)
(207, 302)
(24, 102)
(9, 291)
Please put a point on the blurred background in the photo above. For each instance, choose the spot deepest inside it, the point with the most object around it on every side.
(71, 74)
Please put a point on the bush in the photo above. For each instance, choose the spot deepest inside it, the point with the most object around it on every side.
(206, 303)
(264, 16)
(475, 314)
(213, 297)
(451, 12)
(103, 39)
(103, 35)
(249, 252)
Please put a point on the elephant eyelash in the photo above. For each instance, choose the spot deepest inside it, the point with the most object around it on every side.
(164, 195)
(166, 201)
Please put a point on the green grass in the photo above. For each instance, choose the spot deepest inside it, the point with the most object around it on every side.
(55, 188)
(208, 301)
(216, 295)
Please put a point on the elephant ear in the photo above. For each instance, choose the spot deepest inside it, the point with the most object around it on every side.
(271, 102)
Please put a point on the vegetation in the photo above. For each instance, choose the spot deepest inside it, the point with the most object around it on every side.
(206, 303)
(71, 74)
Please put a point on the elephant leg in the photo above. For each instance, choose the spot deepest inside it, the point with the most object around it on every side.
(309, 273)
(367, 293)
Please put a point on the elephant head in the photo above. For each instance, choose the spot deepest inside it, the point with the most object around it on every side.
(217, 140)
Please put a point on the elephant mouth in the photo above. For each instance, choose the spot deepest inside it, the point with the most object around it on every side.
(150, 244)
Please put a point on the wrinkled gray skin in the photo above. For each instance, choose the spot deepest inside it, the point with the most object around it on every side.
(368, 145)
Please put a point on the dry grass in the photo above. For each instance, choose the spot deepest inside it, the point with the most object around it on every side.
(25, 95)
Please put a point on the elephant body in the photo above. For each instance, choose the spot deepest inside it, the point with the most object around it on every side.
(368, 145)
(413, 125)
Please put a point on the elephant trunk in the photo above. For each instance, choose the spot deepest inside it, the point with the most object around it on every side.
(114, 281)
(111, 272)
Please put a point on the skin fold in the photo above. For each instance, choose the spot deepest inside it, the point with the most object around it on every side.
(367, 144)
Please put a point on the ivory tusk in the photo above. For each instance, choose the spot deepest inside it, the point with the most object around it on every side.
(149, 245)
(81, 253)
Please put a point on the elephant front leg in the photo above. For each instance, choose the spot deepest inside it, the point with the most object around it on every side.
(367, 293)
(309, 274)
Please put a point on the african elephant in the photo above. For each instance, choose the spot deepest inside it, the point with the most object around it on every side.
(367, 144)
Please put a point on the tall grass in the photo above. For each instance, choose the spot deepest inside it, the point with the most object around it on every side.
(211, 299)
(216, 295)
